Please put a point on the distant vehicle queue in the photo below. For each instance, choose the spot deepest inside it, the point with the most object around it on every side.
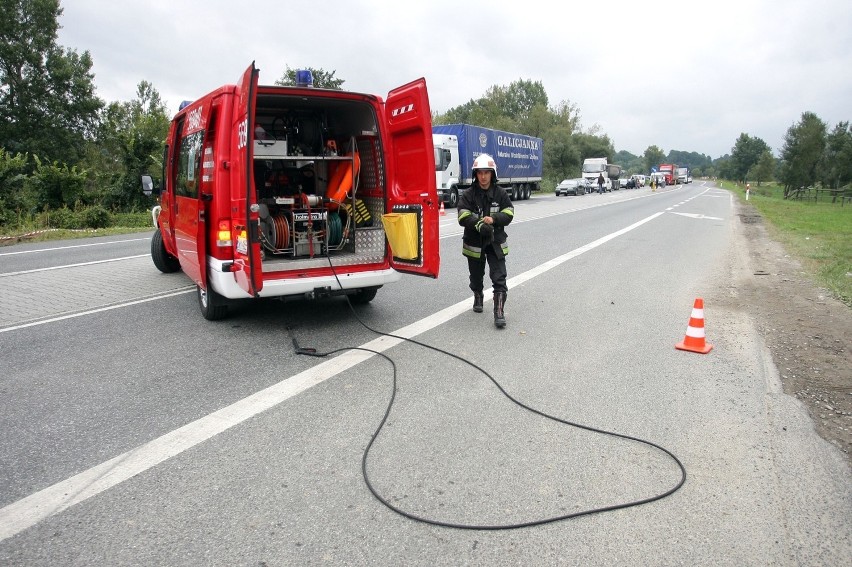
(600, 176)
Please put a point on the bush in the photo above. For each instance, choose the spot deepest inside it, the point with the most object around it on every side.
(59, 218)
(133, 220)
(96, 217)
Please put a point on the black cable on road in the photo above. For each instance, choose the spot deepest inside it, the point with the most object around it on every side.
(313, 352)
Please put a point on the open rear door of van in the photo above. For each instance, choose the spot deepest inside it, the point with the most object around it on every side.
(411, 174)
(248, 269)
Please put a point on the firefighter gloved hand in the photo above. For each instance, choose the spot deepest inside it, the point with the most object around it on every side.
(486, 231)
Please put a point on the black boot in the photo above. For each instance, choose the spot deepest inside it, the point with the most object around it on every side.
(477, 302)
(499, 302)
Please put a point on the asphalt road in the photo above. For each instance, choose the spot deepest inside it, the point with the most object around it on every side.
(138, 433)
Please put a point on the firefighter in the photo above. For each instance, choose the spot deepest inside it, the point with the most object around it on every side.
(484, 210)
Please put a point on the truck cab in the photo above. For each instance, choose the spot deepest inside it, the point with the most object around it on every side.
(447, 167)
(593, 167)
(272, 191)
(670, 171)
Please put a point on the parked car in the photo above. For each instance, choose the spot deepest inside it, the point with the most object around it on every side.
(572, 187)
(639, 179)
(622, 183)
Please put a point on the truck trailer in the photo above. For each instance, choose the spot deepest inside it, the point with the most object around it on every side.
(274, 191)
(518, 157)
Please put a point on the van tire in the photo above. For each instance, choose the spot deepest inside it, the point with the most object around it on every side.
(163, 261)
(213, 306)
(364, 295)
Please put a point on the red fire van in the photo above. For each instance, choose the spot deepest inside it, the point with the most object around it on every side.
(272, 191)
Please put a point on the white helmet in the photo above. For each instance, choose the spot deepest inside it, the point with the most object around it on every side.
(485, 161)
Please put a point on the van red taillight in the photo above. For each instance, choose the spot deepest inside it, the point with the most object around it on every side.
(223, 235)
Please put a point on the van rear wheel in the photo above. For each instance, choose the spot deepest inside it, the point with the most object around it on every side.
(364, 295)
(213, 306)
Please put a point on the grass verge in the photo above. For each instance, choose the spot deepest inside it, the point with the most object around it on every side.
(818, 234)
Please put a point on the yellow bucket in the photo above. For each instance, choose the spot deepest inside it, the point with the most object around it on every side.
(401, 232)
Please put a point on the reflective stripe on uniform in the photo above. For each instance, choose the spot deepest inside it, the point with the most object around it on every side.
(472, 251)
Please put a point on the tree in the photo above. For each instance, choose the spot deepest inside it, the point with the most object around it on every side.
(693, 160)
(14, 201)
(567, 115)
(803, 147)
(539, 121)
(321, 79)
(764, 169)
(518, 100)
(653, 156)
(519, 107)
(55, 185)
(47, 101)
(745, 155)
(561, 154)
(129, 143)
(481, 112)
(836, 162)
(591, 146)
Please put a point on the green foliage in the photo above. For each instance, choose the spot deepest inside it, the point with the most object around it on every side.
(483, 112)
(518, 100)
(322, 79)
(764, 169)
(653, 157)
(96, 217)
(59, 218)
(130, 142)
(724, 167)
(697, 163)
(803, 149)
(591, 145)
(520, 107)
(745, 154)
(47, 102)
(54, 184)
(836, 162)
(13, 177)
(135, 219)
(630, 164)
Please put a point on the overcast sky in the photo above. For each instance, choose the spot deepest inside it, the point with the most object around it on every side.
(688, 76)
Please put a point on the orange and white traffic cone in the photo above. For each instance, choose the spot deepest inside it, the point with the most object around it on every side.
(694, 339)
(441, 211)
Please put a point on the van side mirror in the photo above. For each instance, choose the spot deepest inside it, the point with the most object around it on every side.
(148, 187)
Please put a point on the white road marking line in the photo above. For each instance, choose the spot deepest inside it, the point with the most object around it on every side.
(71, 265)
(72, 246)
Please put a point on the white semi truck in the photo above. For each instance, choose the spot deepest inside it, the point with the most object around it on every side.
(593, 167)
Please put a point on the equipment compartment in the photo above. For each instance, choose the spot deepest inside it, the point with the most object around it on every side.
(319, 180)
